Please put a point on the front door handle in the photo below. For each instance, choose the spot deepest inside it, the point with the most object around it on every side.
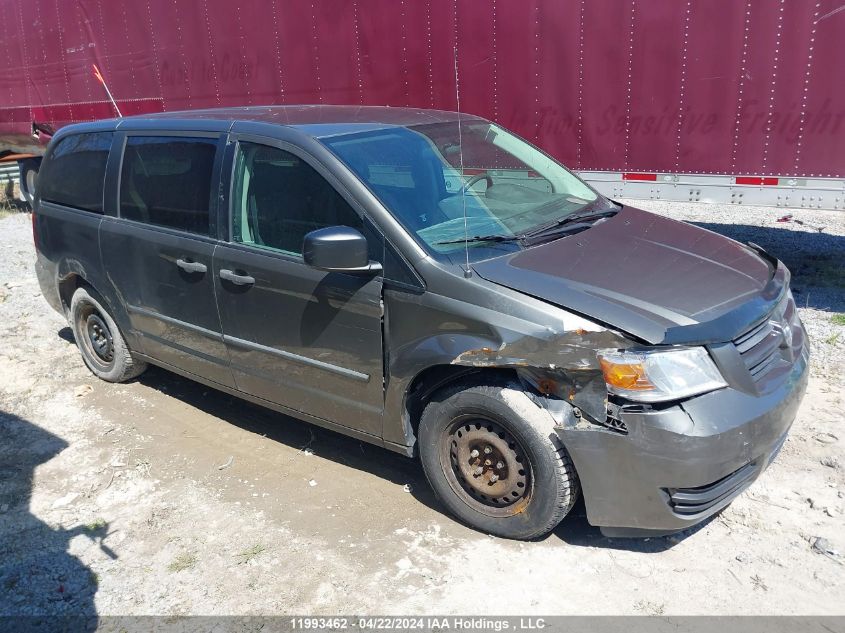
(238, 280)
(191, 267)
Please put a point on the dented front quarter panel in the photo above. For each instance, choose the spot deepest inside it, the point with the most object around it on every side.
(491, 326)
(561, 364)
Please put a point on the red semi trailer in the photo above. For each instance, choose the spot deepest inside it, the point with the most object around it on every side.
(718, 100)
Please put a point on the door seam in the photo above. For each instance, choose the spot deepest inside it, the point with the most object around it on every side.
(219, 317)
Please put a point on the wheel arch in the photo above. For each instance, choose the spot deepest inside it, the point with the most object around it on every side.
(68, 284)
(583, 388)
(433, 378)
(72, 277)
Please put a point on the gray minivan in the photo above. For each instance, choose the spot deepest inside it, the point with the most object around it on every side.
(431, 283)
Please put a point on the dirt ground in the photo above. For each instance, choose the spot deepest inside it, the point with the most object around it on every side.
(164, 497)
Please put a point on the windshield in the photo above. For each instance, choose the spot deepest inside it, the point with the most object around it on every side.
(506, 186)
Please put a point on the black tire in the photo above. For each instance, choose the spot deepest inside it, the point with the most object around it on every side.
(99, 340)
(460, 424)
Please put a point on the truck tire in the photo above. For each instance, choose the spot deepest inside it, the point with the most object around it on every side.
(494, 460)
(100, 342)
(28, 179)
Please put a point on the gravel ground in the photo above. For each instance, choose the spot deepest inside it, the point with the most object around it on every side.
(163, 497)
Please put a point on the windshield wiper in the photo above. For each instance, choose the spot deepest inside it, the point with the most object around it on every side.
(571, 220)
(484, 238)
(567, 223)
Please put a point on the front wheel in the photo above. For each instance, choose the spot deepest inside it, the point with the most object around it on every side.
(495, 461)
(99, 340)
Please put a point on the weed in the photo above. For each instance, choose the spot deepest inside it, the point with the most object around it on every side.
(8, 204)
(186, 560)
(251, 553)
(838, 319)
(95, 525)
(833, 339)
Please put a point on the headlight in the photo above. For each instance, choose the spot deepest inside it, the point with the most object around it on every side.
(660, 375)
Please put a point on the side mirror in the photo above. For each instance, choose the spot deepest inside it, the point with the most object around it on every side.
(338, 249)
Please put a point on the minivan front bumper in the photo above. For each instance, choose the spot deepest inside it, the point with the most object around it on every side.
(678, 465)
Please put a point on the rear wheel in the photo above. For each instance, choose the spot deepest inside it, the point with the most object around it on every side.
(495, 461)
(99, 340)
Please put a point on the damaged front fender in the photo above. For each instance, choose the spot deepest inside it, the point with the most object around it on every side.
(562, 365)
(489, 327)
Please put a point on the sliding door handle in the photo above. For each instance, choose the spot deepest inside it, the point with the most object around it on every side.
(238, 280)
(191, 267)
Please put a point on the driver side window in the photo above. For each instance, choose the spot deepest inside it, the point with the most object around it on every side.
(277, 198)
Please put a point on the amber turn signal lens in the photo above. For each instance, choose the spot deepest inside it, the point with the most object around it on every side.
(630, 376)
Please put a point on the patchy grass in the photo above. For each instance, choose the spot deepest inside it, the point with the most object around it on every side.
(833, 339)
(10, 206)
(95, 525)
(251, 553)
(838, 319)
(184, 561)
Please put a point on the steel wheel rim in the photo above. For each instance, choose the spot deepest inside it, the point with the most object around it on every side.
(486, 466)
(96, 337)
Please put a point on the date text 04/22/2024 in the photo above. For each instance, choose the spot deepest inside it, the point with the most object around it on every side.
(399, 623)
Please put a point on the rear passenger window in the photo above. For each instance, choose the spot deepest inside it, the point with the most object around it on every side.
(277, 198)
(74, 173)
(166, 181)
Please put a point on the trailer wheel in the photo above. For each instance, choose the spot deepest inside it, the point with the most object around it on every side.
(99, 340)
(495, 461)
(29, 179)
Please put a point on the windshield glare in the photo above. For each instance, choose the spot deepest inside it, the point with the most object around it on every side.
(497, 185)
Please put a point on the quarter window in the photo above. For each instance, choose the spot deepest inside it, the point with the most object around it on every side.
(166, 181)
(74, 173)
(277, 198)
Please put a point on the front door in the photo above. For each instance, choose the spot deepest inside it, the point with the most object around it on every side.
(303, 338)
(159, 252)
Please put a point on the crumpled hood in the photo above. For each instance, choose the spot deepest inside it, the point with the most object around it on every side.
(658, 279)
